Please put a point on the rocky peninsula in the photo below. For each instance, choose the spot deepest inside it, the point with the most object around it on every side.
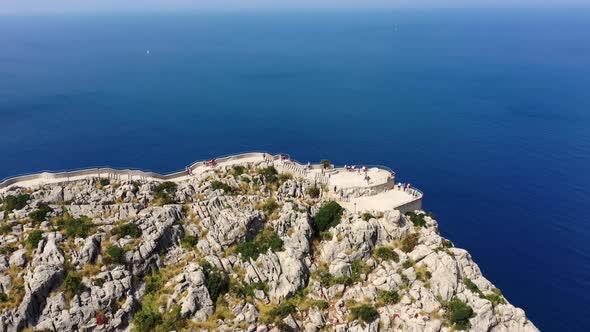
(255, 243)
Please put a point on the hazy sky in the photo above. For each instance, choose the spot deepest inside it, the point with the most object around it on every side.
(58, 6)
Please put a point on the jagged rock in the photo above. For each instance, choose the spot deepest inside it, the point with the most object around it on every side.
(111, 294)
(89, 251)
(38, 284)
(196, 304)
(18, 258)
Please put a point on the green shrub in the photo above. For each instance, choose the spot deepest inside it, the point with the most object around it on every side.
(129, 229)
(217, 281)
(366, 216)
(472, 287)
(328, 280)
(313, 191)
(388, 297)
(238, 170)
(147, 319)
(165, 192)
(244, 289)
(495, 297)
(281, 311)
(73, 284)
(364, 312)
(75, 227)
(447, 243)
(270, 174)
(40, 214)
(216, 185)
(153, 283)
(103, 182)
(458, 313)
(173, 320)
(270, 206)
(5, 229)
(267, 239)
(285, 177)
(327, 216)
(12, 202)
(358, 268)
(386, 254)
(417, 219)
(189, 241)
(3, 297)
(325, 163)
(408, 263)
(410, 241)
(35, 236)
(116, 255)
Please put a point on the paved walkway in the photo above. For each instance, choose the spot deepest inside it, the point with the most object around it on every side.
(353, 179)
(385, 201)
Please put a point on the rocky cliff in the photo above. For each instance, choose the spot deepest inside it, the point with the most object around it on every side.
(236, 249)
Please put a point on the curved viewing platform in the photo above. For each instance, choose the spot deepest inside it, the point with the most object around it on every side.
(358, 188)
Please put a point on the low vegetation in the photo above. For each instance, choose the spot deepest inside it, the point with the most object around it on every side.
(417, 219)
(164, 193)
(17, 202)
(495, 297)
(189, 241)
(458, 313)
(386, 253)
(327, 217)
(217, 185)
(217, 281)
(270, 206)
(270, 174)
(35, 236)
(325, 163)
(313, 191)
(128, 229)
(114, 255)
(366, 313)
(40, 213)
(388, 297)
(75, 227)
(265, 240)
(410, 241)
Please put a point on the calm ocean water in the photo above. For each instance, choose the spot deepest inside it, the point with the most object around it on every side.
(488, 113)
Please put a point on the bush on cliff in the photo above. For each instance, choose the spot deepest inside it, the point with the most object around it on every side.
(410, 241)
(12, 202)
(217, 281)
(129, 229)
(270, 174)
(386, 254)
(388, 297)
(75, 227)
(34, 238)
(458, 313)
(267, 239)
(327, 216)
(229, 190)
(164, 192)
(364, 312)
(115, 255)
(417, 219)
(40, 214)
(313, 191)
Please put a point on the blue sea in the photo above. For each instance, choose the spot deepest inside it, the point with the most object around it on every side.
(488, 112)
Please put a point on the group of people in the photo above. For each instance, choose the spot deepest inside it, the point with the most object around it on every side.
(407, 187)
(352, 168)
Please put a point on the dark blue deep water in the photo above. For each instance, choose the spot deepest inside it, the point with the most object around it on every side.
(487, 112)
